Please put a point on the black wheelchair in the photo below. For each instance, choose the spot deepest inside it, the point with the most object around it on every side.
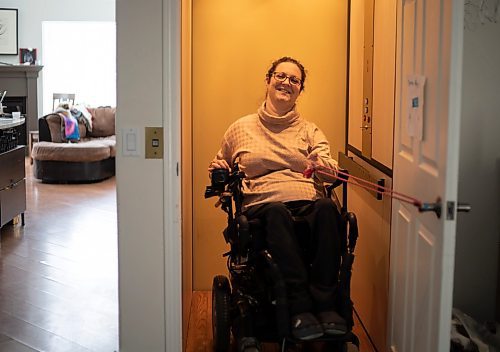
(252, 304)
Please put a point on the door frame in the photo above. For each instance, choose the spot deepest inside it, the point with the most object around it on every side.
(171, 111)
(171, 27)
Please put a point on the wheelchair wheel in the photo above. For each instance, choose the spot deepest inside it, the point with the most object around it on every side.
(350, 347)
(221, 324)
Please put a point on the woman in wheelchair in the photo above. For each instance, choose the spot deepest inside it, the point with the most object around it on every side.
(273, 147)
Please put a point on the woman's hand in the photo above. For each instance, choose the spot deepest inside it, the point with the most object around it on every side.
(311, 165)
(314, 163)
(218, 164)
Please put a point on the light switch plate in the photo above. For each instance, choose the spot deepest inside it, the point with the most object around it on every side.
(130, 142)
(154, 142)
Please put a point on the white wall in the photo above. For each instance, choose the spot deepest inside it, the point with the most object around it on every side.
(31, 14)
(478, 232)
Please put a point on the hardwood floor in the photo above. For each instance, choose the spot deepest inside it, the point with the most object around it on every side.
(200, 329)
(58, 273)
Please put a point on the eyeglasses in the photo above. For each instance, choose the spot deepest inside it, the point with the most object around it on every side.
(281, 77)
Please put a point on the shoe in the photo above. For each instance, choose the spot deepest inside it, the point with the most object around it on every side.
(305, 327)
(248, 344)
(332, 323)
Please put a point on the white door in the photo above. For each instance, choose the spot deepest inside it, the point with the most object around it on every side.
(423, 245)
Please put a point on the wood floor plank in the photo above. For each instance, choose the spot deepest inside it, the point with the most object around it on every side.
(34, 337)
(85, 329)
(200, 323)
(4, 338)
(200, 329)
(58, 273)
(14, 346)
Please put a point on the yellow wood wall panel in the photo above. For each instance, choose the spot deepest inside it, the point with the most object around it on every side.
(234, 43)
(384, 64)
(356, 74)
(370, 280)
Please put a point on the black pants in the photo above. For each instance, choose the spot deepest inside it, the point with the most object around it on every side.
(310, 278)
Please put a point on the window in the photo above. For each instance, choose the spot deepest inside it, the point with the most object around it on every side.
(79, 57)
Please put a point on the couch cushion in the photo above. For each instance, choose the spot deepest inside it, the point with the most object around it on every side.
(84, 151)
(109, 141)
(103, 121)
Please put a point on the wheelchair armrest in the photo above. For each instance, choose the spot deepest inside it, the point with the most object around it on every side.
(337, 183)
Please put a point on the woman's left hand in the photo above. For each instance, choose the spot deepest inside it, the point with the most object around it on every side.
(314, 163)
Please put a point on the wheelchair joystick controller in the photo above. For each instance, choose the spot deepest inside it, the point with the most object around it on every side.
(220, 178)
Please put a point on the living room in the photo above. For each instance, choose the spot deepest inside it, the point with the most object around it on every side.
(150, 262)
(58, 285)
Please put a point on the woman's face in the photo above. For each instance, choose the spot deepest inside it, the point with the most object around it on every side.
(282, 87)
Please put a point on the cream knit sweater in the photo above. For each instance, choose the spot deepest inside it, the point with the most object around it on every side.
(273, 151)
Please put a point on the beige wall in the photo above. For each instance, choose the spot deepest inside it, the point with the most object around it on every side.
(234, 43)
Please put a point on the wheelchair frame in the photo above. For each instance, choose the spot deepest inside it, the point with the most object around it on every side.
(243, 304)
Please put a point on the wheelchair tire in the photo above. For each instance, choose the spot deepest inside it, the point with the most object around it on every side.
(221, 324)
(350, 347)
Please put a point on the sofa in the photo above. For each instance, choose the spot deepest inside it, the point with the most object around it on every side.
(90, 158)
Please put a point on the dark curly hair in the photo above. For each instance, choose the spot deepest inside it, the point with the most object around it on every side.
(287, 59)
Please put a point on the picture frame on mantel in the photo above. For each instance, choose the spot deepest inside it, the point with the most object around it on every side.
(27, 56)
(8, 31)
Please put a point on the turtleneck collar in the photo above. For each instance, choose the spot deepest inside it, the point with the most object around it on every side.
(288, 119)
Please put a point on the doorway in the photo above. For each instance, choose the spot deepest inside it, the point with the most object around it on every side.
(225, 80)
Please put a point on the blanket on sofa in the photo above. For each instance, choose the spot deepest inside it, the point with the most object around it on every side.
(71, 131)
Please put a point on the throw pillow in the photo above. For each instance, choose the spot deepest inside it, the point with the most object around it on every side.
(103, 121)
